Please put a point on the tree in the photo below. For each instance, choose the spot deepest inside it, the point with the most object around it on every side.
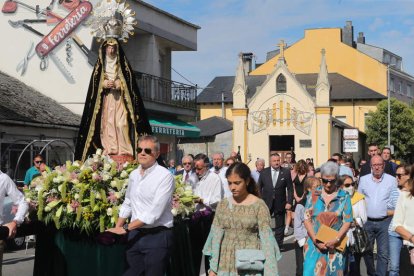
(402, 130)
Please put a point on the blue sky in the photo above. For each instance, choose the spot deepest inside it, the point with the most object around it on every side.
(232, 26)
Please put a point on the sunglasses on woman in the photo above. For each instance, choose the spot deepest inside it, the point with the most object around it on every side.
(325, 181)
(399, 175)
(146, 150)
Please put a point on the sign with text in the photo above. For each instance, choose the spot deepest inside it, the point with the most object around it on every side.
(350, 134)
(62, 30)
(350, 145)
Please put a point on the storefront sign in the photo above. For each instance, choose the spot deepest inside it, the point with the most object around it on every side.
(350, 145)
(351, 134)
(168, 131)
(64, 28)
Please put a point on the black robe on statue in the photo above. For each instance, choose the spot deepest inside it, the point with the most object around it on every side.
(89, 139)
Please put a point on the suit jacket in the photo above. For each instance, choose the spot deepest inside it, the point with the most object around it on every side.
(366, 168)
(276, 197)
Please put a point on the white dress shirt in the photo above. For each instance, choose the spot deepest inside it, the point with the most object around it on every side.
(224, 183)
(148, 197)
(209, 189)
(403, 214)
(8, 188)
(275, 175)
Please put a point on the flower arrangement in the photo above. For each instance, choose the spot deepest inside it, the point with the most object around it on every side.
(183, 205)
(84, 196)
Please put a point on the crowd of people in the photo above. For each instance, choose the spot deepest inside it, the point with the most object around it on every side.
(338, 214)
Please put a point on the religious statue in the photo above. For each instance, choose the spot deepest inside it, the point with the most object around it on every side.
(114, 115)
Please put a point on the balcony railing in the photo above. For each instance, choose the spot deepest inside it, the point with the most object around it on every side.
(156, 89)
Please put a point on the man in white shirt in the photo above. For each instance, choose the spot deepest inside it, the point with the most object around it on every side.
(8, 188)
(148, 204)
(209, 189)
(219, 169)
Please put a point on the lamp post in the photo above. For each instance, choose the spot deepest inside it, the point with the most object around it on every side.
(389, 103)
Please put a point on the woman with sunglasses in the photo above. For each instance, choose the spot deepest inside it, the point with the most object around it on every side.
(359, 213)
(403, 222)
(394, 239)
(230, 161)
(329, 206)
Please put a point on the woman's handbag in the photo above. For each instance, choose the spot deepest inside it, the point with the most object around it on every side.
(361, 239)
(250, 259)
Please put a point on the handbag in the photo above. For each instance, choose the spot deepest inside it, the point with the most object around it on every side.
(250, 259)
(361, 244)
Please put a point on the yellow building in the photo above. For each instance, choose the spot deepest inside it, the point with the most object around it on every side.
(365, 70)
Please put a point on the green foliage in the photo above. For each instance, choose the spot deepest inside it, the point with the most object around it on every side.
(402, 131)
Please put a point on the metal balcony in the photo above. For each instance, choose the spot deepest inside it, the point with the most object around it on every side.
(167, 92)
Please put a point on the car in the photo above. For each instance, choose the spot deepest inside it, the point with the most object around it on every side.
(18, 242)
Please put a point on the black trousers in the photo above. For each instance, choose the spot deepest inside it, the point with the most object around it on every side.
(406, 268)
(199, 231)
(148, 254)
(280, 227)
(299, 259)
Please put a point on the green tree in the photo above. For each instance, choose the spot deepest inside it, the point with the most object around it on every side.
(402, 127)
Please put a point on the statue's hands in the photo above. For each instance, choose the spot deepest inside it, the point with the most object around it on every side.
(108, 83)
(117, 84)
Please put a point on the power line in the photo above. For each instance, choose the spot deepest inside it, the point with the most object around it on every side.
(183, 77)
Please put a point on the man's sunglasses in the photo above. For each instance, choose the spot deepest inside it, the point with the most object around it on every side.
(324, 180)
(189, 163)
(146, 150)
(38, 162)
(399, 175)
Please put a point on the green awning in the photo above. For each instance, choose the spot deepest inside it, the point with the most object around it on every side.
(174, 127)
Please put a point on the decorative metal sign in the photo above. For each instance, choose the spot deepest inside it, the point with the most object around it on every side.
(64, 29)
(301, 120)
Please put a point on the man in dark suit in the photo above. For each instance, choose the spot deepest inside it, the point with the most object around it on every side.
(188, 171)
(373, 150)
(276, 187)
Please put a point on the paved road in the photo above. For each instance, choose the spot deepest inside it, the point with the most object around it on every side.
(17, 263)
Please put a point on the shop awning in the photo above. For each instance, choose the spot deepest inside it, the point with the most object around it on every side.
(174, 127)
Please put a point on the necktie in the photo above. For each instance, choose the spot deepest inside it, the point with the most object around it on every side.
(186, 177)
(274, 177)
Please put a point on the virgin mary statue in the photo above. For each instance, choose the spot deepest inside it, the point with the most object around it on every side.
(114, 115)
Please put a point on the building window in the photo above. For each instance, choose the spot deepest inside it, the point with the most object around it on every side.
(341, 118)
(281, 84)
(399, 87)
(391, 85)
(410, 92)
(366, 119)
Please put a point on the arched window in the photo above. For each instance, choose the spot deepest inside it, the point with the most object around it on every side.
(281, 84)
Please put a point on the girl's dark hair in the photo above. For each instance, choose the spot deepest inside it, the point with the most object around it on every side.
(243, 171)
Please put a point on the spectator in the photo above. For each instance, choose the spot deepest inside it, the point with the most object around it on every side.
(171, 166)
(343, 169)
(241, 222)
(210, 192)
(386, 155)
(366, 168)
(311, 183)
(230, 161)
(288, 161)
(332, 207)
(311, 169)
(298, 175)
(219, 169)
(350, 164)
(276, 188)
(359, 213)
(377, 187)
(188, 172)
(395, 240)
(403, 224)
(260, 164)
(37, 169)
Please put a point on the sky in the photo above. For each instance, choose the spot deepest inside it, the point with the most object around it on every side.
(229, 27)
